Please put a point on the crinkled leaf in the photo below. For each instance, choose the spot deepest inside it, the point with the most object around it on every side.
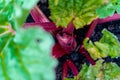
(111, 71)
(82, 11)
(108, 45)
(106, 71)
(109, 8)
(91, 72)
(109, 38)
(112, 41)
(92, 49)
(15, 12)
(26, 55)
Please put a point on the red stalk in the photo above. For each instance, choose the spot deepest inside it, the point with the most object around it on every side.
(69, 64)
(69, 29)
(64, 73)
(85, 53)
(88, 34)
(111, 18)
(72, 67)
(38, 15)
(91, 29)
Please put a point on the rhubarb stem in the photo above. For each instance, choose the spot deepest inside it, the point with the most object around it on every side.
(91, 28)
(85, 53)
(38, 15)
(64, 73)
(88, 34)
(69, 64)
(69, 29)
(111, 18)
(72, 67)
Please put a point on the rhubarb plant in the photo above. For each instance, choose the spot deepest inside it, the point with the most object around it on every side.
(79, 12)
(109, 8)
(72, 13)
(25, 54)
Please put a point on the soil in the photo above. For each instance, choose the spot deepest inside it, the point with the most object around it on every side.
(113, 26)
(77, 58)
(29, 19)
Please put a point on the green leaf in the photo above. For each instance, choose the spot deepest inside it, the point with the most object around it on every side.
(111, 71)
(26, 55)
(108, 45)
(82, 12)
(117, 8)
(112, 41)
(90, 72)
(106, 71)
(15, 12)
(109, 37)
(92, 49)
(109, 8)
